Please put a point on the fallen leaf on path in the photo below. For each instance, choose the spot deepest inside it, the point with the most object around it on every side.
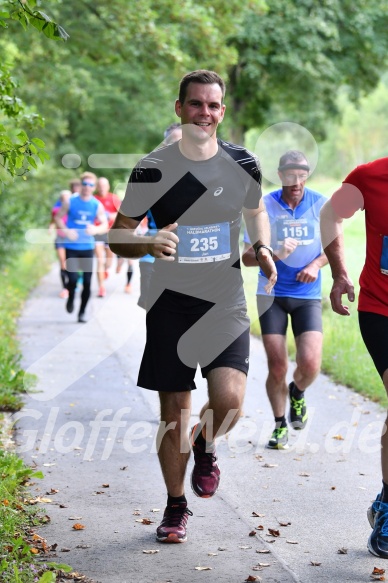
(377, 571)
(136, 513)
(252, 533)
(304, 474)
(342, 551)
(377, 577)
(260, 527)
(222, 549)
(82, 547)
(155, 510)
(263, 565)
(65, 550)
(151, 552)
(203, 568)
(253, 578)
(49, 465)
(39, 500)
(270, 465)
(315, 564)
(257, 515)
(34, 551)
(75, 518)
(273, 532)
(78, 526)
(52, 491)
(124, 468)
(212, 554)
(338, 437)
(144, 520)
(263, 551)
(105, 486)
(292, 542)
(283, 523)
(244, 547)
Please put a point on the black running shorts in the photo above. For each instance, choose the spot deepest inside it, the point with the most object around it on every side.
(374, 332)
(178, 342)
(306, 315)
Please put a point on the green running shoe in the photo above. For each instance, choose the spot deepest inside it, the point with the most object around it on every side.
(298, 411)
(279, 438)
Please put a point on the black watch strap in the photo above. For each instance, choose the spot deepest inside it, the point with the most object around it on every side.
(258, 247)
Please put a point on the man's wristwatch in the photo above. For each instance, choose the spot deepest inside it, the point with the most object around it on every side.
(258, 247)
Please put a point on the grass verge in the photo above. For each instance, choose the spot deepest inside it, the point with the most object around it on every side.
(21, 549)
(16, 281)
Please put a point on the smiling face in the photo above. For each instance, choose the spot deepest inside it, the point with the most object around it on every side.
(201, 111)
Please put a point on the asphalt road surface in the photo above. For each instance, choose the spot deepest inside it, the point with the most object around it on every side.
(280, 516)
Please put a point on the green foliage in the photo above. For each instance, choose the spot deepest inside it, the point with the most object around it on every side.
(295, 55)
(19, 153)
(360, 136)
(24, 13)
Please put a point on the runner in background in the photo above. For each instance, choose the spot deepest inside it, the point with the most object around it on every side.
(81, 212)
(59, 242)
(111, 204)
(293, 213)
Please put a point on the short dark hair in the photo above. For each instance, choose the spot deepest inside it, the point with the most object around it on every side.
(200, 76)
(292, 157)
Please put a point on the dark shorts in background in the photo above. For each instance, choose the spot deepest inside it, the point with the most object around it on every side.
(177, 342)
(79, 260)
(374, 332)
(306, 315)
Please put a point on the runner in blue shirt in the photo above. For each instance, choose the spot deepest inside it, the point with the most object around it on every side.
(293, 212)
(81, 212)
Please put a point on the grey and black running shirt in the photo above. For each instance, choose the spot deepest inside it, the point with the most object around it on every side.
(206, 199)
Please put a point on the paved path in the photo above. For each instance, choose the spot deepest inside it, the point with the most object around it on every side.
(91, 430)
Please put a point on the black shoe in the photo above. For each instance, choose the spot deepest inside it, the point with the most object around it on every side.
(70, 304)
(378, 540)
(298, 411)
(81, 318)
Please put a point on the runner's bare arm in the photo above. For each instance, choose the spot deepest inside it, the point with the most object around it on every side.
(310, 273)
(333, 244)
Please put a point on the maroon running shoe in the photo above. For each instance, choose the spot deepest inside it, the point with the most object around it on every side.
(205, 477)
(172, 529)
